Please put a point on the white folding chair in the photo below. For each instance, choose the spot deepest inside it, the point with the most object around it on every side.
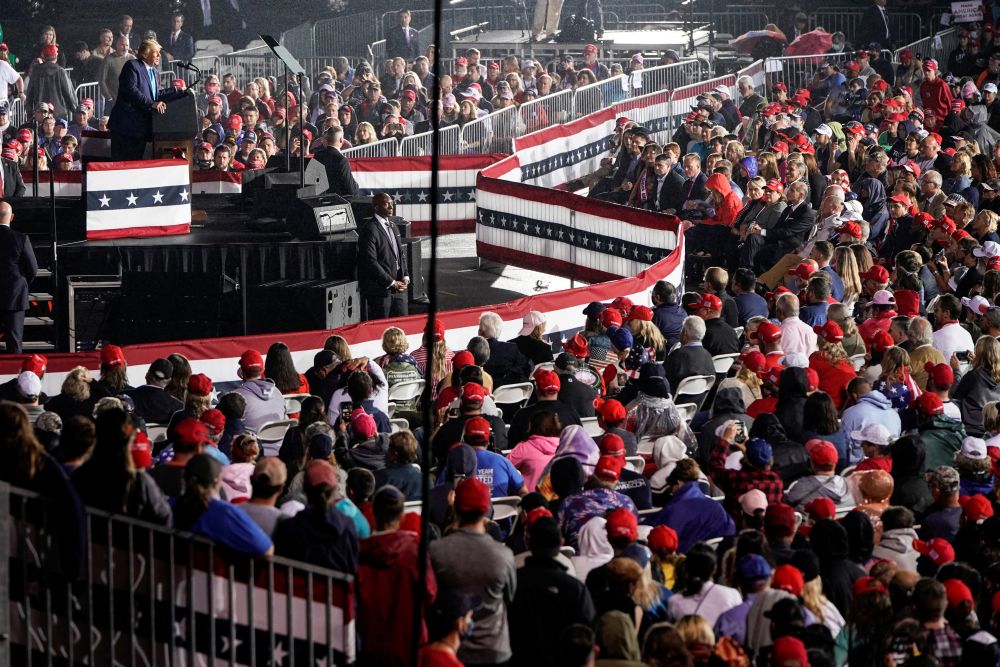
(738, 331)
(846, 472)
(547, 365)
(687, 410)
(403, 392)
(513, 394)
(714, 542)
(636, 463)
(858, 360)
(567, 551)
(650, 511)
(271, 434)
(723, 362)
(505, 507)
(695, 386)
(156, 432)
(392, 409)
(399, 424)
(590, 427)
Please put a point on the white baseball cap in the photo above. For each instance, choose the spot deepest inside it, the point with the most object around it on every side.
(531, 320)
(977, 304)
(876, 434)
(824, 129)
(883, 298)
(753, 500)
(29, 385)
(990, 88)
(974, 448)
(988, 249)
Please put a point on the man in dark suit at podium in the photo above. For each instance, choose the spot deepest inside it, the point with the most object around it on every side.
(383, 278)
(17, 269)
(131, 121)
(338, 169)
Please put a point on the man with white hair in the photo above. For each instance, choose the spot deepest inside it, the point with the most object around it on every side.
(796, 335)
(932, 196)
(506, 363)
(691, 358)
(751, 98)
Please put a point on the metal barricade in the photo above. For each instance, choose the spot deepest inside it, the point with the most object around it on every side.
(346, 35)
(300, 40)
(91, 89)
(904, 26)
(493, 133)
(250, 63)
(384, 148)
(105, 589)
(681, 100)
(664, 77)
(423, 144)
(796, 71)
(545, 111)
(734, 21)
(17, 112)
(376, 53)
(596, 96)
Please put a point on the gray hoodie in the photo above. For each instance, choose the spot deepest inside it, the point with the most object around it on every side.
(978, 130)
(897, 545)
(833, 487)
(264, 402)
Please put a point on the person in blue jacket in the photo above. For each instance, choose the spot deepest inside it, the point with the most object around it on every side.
(691, 513)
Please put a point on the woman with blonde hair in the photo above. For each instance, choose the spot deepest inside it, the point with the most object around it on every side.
(961, 181)
(845, 263)
(397, 365)
(365, 134)
(984, 226)
(894, 379)
(74, 397)
(648, 335)
(264, 88)
(980, 385)
(841, 313)
(698, 638)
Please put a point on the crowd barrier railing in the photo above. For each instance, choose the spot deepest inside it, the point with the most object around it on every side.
(663, 77)
(755, 71)
(596, 96)
(84, 587)
(384, 148)
(549, 110)
(422, 144)
(91, 89)
(934, 46)
(733, 20)
(300, 40)
(796, 71)
(346, 35)
(17, 111)
(902, 25)
(492, 133)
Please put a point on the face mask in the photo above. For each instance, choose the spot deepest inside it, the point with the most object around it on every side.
(837, 48)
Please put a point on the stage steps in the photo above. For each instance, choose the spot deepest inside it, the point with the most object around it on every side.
(40, 334)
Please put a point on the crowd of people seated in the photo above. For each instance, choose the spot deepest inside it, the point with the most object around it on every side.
(791, 463)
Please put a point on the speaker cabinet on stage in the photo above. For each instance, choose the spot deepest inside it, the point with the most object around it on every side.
(158, 306)
(414, 261)
(303, 305)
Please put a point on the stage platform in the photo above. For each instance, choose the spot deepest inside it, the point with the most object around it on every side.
(614, 43)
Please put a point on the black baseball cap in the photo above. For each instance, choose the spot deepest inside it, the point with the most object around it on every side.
(161, 369)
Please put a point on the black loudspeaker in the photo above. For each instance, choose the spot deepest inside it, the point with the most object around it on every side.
(275, 193)
(414, 261)
(303, 305)
(316, 217)
(93, 307)
(158, 306)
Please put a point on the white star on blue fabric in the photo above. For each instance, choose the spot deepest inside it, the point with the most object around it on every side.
(105, 200)
(131, 199)
(158, 198)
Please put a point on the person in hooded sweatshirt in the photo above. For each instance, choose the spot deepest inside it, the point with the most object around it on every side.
(977, 128)
(389, 570)
(896, 543)
(871, 408)
(790, 459)
(824, 482)
(363, 446)
(264, 400)
(689, 511)
(829, 541)
(532, 455)
(728, 405)
(910, 487)
(792, 394)
(713, 233)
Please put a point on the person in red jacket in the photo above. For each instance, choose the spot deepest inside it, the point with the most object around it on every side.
(935, 96)
(712, 233)
(388, 572)
(831, 362)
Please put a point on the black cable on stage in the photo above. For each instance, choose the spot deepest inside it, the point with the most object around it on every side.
(428, 405)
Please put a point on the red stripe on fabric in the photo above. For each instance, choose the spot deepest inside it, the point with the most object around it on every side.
(71, 177)
(641, 102)
(216, 176)
(423, 163)
(139, 232)
(423, 227)
(502, 167)
(524, 260)
(535, 193)
(137, 164)
(561, 131)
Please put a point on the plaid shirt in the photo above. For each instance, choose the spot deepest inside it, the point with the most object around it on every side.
(737, 482)
(945, 645)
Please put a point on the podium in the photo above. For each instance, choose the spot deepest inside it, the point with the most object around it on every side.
(177, 127)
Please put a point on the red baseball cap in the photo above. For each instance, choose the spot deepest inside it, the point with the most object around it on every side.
(199, 384)
(941, 374)
(769, 332)
(50, 51)
(976, 508)
(851, 228)
(471, 495)
(830, 332)
(215, 420)
(880, 341)
(438, 331)
(461, 360)
(824, 454)
(36, 363)
(802, 271)
(622, 304)
(959, 595)
(191, 432)
(535, 514)
(779, 147)
(363, 424)
(774, 185)
(945, 223)
(477, 431)
(547, 382)
(610, 318)
(611, 445)
(710, 302)
(788, 578)
(754, 361)
(611, 410)
(142, 451)
(821, 508)
(930, 404)
(877, 272)
(789, 652)
(252, 360)
(812, 379)
(938, 550)
(318, 473)
(865, 585)
(622, 523)
(112, 355)
(957, 104)
(900, 199)
(642, 313)
(473, 392)
(663, 538)
(609, 468)
(576, 346)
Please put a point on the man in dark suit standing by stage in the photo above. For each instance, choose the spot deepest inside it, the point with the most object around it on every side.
(382, 275)
(338, 169)
(11, 183)
(180, 45)
(874, 26)
(17, 269)
(402, 41)
(131, 121)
